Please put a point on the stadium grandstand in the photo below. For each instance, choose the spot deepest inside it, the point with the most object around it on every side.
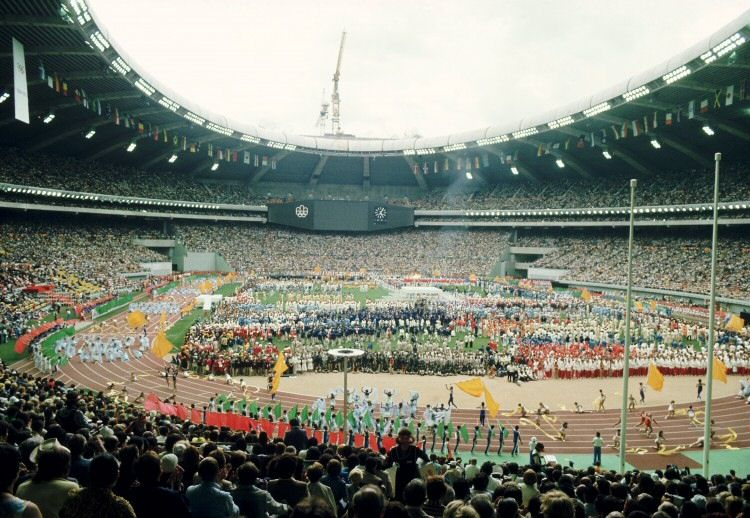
(205, 317)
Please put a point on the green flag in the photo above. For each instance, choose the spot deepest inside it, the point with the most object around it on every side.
(266, 412)
(440, 429)
(242, 404)
(305, 414)
(451, 429)
(227, 406)
(316, 416)
(328, 416)
(397, 424)
(352, 419)
(220, 400)
(368, 420)
(254, 408)
(479, 433)
(464, 433)
(411, 427)
(277, 410)
(340, 420)
(293, 412)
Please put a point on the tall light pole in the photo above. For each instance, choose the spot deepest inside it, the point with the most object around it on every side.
(345, 354)
(711, 319)
(626, 355)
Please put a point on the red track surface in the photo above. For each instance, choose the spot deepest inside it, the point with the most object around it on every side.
(728, 413)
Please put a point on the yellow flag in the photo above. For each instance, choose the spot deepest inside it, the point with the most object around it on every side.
(735, 324)
(278, 369)
(492, 406)
(720, 370)
(653, 305)
(136, 319)
(655, 378)
(162, 346)
(586, 295)
(473, 387)
(639, 306)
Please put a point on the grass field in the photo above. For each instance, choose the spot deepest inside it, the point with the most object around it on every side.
(362, 297)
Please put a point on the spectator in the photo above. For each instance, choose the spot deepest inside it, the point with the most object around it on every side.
(206, 498)
(49, 487)
(251, 500)
(98, 500)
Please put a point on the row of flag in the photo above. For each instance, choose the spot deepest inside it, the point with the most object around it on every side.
(459, 164)
(655, 379)
(179, 142)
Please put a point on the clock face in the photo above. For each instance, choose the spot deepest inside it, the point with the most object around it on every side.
(381, 213)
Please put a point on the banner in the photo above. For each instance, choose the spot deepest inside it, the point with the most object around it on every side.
(20, 87)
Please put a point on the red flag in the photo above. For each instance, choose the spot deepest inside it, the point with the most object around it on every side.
(195, 416)
(151, 403)
(389, 442)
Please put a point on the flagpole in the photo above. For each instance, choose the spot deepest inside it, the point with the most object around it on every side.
(626, 355)
(711, 319)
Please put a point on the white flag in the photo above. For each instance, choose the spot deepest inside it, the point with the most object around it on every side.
(729, 99)
(20, 87)
(246, 157)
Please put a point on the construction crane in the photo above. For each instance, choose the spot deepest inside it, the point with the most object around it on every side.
(335, 114)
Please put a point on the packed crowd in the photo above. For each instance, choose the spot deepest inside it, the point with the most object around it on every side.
(425, 252)
(681, 264)
(667, 188)
(68, 453)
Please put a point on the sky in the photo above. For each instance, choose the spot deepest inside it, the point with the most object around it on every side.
(416, 67)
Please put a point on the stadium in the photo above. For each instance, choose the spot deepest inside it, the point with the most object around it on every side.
(204, 316)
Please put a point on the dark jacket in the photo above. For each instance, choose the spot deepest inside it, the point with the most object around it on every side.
(296, 437)
(288, 491)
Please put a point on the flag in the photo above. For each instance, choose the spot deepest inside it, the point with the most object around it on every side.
(254, 408)
(340, 420)
(305, 414)
(277, 410)
(617, 133)
(476, 162)
(446, 165)
(136, 319)
(717, 98)
(656, 120)
(464, 433)
(492, 406)
(704, 106)
(668, 120)
(162, 346)
(440, 429)
(636, 129)
(368, 421)
(586, 295)
(691, 110)
(42, 72)
(50, 81)
(273, 164)
(315, 415)
(328, 416)
(294, 412)
(655, 378)
(645, 124)
(720, 370)
(246, 157)
(734, 323)
(57, 83)
(265, 160)
(639, 306)
(485, 161)
(279, 369)
(20, 84)
(729, 96)
(255, 160)
(352, 420)
(625, 130)
(652, 305)
(474, 387)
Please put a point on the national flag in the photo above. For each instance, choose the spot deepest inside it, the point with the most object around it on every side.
(729, 96)
(279, 369)
(617, 133)
(635, 127)
(235, 157)
(720, 370)
(717, 98)
(265, 160)
(668, 120)
(645, 124)
(691, 110)
(704, 105)
(141, 127)
(50, 81)
(246, 157)
(255, 160)
(266, 412)
(476, 162)
(624, 131)
(655, 378)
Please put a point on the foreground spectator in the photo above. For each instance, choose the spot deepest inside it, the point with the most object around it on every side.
(98, 500)
(207, 499)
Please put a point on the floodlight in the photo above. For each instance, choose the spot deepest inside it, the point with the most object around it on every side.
(4, 97)
(560, 163)
(708, 130)
(655, 143)
(514, 170)
(131, 147)
(469, 176)
(172, 159)
(607, 155)
(49, 118)
(215, 166)
(90, 134)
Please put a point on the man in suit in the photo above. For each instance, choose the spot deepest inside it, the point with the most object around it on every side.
(296, 436)
(285, 489)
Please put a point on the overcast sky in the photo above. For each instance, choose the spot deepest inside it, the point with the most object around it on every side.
(409, 67)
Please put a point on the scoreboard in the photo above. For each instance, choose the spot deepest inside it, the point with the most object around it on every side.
(341, 215)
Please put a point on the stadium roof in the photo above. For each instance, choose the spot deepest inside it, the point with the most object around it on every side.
(704, 86)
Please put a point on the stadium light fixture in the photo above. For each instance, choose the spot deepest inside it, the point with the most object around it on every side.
(90, 134)
(469, 176)
(514, 170)
(607, 155)
(655, 143)
(708, 130)
(130, 147)
(4, 97)
(560, 163)
(49, 118)
(215, 166)
(172, 159)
